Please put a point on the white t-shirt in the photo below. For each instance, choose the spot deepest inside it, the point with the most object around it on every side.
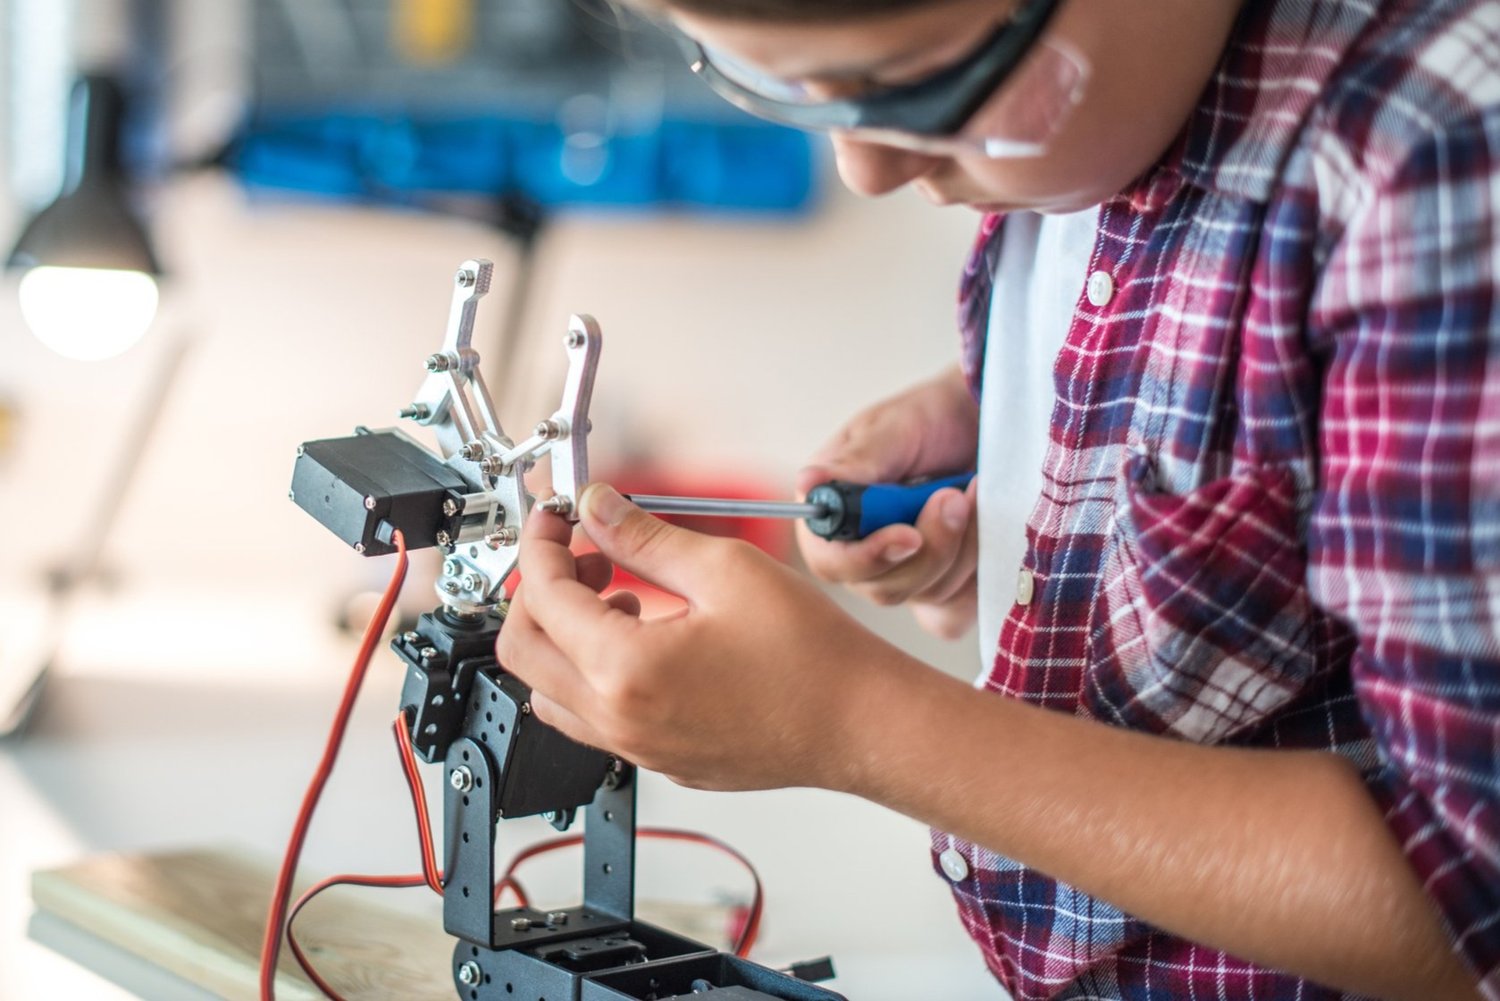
(1044, 267)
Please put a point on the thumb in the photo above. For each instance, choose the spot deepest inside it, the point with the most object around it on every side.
(653, 550)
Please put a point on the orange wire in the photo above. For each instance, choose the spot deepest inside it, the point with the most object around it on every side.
(430, 870)
(276, 917)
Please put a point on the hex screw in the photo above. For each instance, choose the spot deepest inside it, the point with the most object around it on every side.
(465, 278)
(557, 505)
(492, 466)
(472, 582)
(439, 363)
(548, 430)
(415, 412)
(576, 339)
(451, 568)
(557, 917)
(469, 974)
(461, 779)
(520, 924)
(473, 451)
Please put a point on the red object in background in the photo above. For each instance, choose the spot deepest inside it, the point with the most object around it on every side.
(771, 535)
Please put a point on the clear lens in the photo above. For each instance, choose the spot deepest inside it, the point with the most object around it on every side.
(1018, 121)
(1035, 104)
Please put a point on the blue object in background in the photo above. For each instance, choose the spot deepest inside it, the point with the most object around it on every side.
(734, 166)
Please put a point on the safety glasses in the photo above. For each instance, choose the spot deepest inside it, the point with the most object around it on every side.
(1006, 99)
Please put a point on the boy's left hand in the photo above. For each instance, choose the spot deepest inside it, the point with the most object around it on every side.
(760, 682)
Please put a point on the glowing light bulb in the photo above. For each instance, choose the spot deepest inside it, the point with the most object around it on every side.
(88, 314)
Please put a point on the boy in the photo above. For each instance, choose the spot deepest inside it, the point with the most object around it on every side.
(1241, 733)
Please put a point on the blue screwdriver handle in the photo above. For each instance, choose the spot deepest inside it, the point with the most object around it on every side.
(857, 510)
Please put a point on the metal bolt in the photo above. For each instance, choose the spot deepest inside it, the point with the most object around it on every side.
(469, 974)
(492, 466)
(548, 430)
(443, 538)
(461, 779)
(557, 505)
(504, 537)
(439, 363)
(428, 652)
(291, 495)
(576, 339)
(450, 507)
(359, 547)
(525, 708)
(473, 451)
(472, 582)
(557, 917)
(451, 568)
(415, 412)
(451, 586)
(466, 278)
(301, 451)
(520, 924)
(410, 636)
(369, 503)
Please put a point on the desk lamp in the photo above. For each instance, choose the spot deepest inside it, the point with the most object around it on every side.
(89, 287)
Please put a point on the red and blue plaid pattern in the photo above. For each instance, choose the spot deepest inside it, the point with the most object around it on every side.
(1271, 504)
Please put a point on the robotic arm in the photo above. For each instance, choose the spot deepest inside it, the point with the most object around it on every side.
(465, 711)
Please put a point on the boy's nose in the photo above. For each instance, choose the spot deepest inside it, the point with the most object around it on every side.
(870, 169)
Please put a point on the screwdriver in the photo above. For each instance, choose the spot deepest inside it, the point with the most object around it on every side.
(834, 510)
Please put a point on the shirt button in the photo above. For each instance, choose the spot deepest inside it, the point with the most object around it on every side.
(955, 866)
(1101, 288)
(1025, 587)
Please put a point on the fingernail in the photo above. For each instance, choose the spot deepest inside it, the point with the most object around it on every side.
(956, 511)
(602, 503)
(900, 552)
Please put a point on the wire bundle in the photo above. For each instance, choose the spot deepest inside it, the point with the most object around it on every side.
(281, 916)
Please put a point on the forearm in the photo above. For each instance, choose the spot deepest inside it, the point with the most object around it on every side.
(1279, 857)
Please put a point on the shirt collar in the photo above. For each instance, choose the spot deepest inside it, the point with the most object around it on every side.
(1275, 69)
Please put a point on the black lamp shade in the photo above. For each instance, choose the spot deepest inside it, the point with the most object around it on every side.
(91, 224)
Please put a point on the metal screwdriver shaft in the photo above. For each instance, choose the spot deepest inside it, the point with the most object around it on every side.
(720, 508)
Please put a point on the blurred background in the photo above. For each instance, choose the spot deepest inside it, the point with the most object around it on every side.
(231, 226)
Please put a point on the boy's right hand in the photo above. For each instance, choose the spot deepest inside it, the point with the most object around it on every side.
(930, 430)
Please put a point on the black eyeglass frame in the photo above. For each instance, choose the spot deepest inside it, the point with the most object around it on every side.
(937, 106)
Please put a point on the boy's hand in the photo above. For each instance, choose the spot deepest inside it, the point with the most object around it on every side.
(761, 682)
(930, 430)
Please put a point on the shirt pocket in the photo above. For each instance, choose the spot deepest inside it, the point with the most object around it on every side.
(1202, 625)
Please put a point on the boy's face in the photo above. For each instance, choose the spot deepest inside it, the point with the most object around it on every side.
(1148, 61)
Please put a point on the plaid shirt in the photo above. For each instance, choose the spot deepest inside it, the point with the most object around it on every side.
(1271, 504)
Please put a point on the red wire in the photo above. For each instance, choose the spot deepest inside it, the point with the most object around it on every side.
(275, 920)
(396, 882)
(430, 870)
(748, 934)
(279, 920)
